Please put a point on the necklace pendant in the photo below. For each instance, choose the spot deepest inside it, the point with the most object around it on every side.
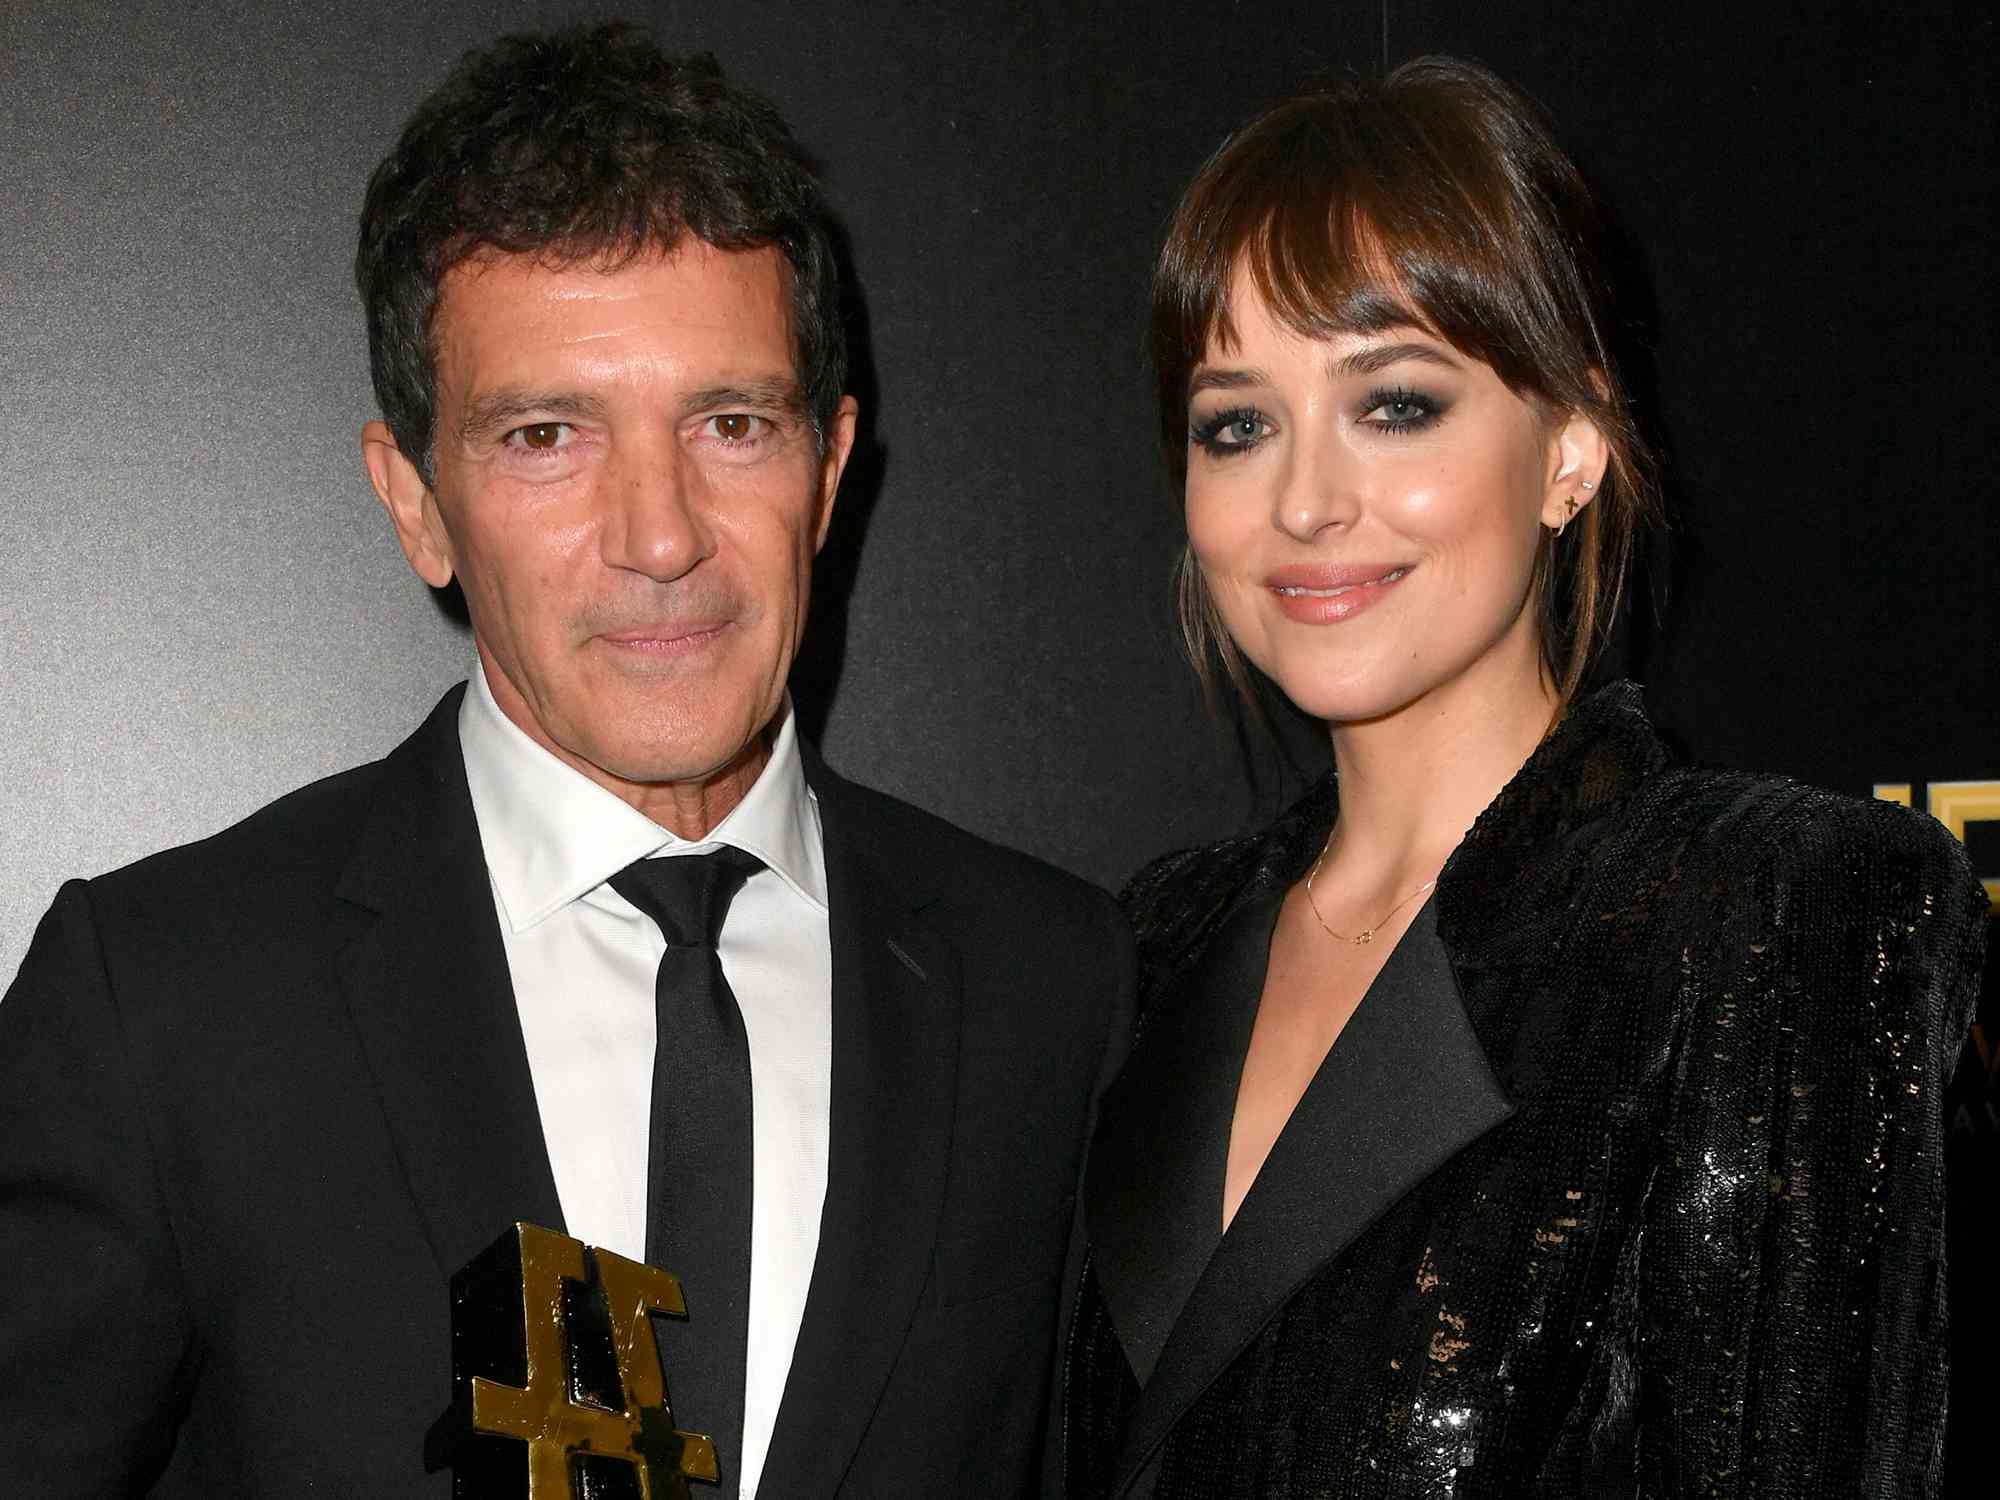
(1367, 934)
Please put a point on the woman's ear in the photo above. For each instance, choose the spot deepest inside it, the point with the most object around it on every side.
(1578, 455)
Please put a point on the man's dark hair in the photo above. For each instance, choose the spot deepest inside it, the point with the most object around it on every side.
(584, 145)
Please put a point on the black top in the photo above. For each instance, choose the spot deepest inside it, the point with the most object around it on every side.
(1624, 1178)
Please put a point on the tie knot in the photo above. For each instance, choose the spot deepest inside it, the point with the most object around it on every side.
(687, 895)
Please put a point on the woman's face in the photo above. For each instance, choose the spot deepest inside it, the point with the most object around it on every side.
(1365, 510)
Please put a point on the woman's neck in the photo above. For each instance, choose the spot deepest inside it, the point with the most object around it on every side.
(1413, 782)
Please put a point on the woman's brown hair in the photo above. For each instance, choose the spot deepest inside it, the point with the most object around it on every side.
(1437, 198)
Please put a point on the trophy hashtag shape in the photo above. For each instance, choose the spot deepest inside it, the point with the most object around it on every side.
(557, 1390)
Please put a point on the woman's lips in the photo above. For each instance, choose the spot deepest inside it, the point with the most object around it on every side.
(1326, 594)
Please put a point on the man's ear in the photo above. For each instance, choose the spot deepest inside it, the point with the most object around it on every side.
(833, 463)
(411, 504)
(1578, 455)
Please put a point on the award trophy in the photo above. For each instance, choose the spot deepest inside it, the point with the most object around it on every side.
(557, 1390)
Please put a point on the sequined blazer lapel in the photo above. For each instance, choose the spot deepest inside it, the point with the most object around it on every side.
(1406, 1087)
(1410, 1083)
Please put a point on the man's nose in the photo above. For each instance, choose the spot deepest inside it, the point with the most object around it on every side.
(655, 523)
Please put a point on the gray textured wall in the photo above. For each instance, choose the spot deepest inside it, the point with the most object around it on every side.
(199, 604)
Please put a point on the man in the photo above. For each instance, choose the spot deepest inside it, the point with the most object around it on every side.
(261, 1096)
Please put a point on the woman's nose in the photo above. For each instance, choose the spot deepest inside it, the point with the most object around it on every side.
(1316, 492)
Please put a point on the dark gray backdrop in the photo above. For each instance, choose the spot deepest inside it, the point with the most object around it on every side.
(200, 605)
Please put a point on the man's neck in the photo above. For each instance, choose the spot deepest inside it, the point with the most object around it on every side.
(691, 810)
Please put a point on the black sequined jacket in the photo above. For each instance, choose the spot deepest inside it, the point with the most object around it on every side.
(1624, 1180)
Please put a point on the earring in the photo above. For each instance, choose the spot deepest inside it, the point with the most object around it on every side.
(1569, 514)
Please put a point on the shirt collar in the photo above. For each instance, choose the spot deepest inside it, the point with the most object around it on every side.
(552, 835)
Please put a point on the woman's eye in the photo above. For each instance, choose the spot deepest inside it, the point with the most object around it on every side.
(1400, 411)
(1231, 431)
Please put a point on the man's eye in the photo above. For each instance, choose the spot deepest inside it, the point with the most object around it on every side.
(735, 426)
(540, 437)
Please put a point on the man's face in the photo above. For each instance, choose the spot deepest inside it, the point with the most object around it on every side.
(629, 491)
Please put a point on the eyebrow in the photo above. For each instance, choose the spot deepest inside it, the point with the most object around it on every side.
(1225, 380)
(1377, 357)
(781, 394)
(500, 409)
(1369, 360)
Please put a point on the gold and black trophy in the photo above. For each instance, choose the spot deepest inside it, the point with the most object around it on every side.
(557, 1389)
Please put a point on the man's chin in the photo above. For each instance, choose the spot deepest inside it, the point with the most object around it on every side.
(651, 762)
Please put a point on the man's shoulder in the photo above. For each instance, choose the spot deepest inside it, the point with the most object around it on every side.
(1043, 952)
(908, 842)
(297, 844)
(301, 829)
(267, 879)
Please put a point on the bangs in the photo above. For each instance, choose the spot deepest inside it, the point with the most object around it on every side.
(1354, 220)
(1320, 276)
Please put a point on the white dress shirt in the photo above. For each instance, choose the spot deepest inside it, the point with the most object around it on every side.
(583, 961)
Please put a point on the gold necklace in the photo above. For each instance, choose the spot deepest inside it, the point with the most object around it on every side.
(1367, 934)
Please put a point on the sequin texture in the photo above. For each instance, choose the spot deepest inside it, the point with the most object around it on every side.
(1704, 1256)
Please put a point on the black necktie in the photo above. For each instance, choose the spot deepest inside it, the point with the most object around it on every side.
(699, 1152)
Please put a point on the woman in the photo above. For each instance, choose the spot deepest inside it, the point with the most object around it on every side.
(1555, 1120)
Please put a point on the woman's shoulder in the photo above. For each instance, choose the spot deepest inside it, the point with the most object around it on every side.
(1607, 775)
(1844, 894)
(1738, 826)
(1177, 900)
(1170, 885)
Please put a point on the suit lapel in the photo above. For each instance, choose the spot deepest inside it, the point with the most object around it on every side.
(1153, 1194)
(1406, 1087)
(895, 1068)
(426, 982)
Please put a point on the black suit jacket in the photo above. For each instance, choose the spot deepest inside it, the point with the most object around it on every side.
(260, 1096)
(1624, 1180)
